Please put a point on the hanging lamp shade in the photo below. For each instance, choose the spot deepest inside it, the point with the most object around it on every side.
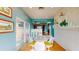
(61, 14)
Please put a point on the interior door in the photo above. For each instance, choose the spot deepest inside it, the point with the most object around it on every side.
(19, 32)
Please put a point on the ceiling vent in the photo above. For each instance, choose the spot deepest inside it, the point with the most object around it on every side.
(40, 8)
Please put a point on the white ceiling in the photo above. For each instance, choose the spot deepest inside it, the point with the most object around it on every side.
(47, 12)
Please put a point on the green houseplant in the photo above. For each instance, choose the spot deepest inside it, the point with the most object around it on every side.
(64, 23)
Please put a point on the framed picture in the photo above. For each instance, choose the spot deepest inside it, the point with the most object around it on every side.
(6, 26)
(6, 11)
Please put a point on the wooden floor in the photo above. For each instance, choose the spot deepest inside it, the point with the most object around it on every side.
(55, 47)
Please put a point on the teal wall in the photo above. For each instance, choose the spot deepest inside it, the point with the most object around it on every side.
(8, 40)
(52, 30)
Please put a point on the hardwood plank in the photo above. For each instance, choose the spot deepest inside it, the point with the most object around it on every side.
(56, 47)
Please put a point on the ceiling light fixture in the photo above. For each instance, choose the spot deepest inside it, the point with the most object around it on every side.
(40, 7)
(61, 14)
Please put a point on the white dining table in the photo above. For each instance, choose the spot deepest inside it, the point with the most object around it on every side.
(39, 46)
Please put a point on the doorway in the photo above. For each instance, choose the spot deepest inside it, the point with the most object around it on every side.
(20, 32)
